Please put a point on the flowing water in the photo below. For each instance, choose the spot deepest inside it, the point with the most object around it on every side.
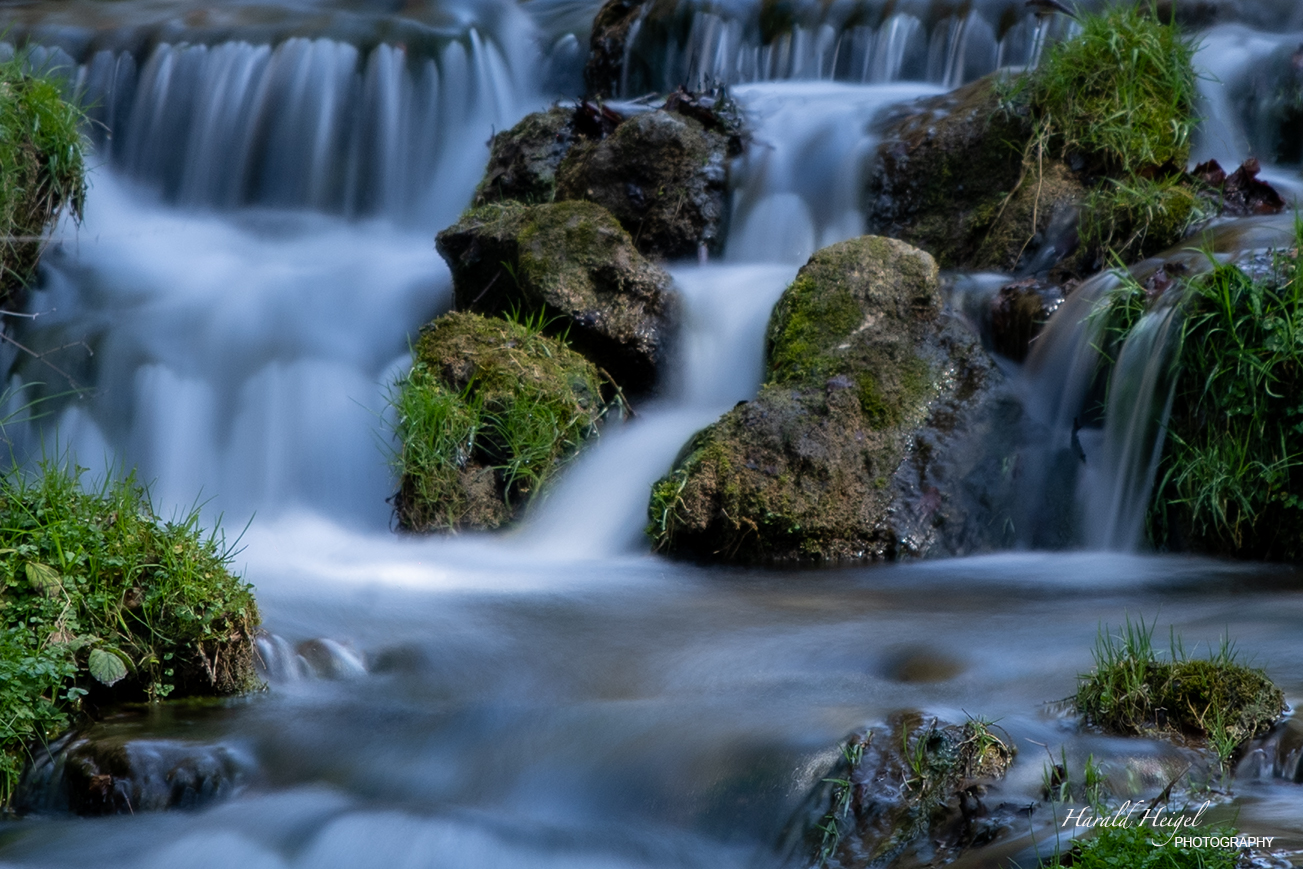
(257, 253)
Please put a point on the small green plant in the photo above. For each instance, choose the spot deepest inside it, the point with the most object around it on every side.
(41, 150)
(1141, 847)
(1133, 217)
(1095, 782)
(1132, 690)
(101, 597)
(843, 793)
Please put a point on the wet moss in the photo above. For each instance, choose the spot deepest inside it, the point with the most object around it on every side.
(1131, 690)
(489, 412)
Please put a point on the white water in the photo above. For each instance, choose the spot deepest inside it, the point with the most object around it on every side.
(556, 696)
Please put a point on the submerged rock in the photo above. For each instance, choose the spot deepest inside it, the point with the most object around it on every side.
(917, 789)
(491, 409)
(1019, 312)
(612, 28)
(109, 770)
(571, 265)
(854, 447)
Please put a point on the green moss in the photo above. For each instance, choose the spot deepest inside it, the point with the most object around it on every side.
(810, 320)
(1121, 92)
(1135, 848)
(41, 152)
(490, 410)
(1232, 467)
(1138, 217)
(1131, 690)
(93, 582)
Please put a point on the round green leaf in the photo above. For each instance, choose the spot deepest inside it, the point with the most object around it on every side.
(107, 667)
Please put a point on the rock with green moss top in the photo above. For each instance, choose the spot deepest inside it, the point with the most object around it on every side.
(852, 449)
(572, 265)
(105, 603)
(491, 409)
(662, 174)
(523, 161)
(1133, 690)
(915, 786)
(44, 170)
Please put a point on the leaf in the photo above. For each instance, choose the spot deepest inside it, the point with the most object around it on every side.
(107, 667)
(44, 578)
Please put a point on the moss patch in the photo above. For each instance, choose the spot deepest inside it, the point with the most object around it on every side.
(490, 410)
(103, 602)
(1132, 691)
(43, 169)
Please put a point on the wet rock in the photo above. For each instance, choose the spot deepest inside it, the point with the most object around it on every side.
(1270, 103)
(108, 769)
(954, 178)
(612, 28)
(523, 160)
(1018, 313)
(489, 412)
(574, 266)
(1240, 194)
(917, 791)
(662, 174)
(854, 447)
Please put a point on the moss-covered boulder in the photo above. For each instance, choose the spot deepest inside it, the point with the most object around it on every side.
(573, 266)
(662, 174)
(43, 169)
(1133, 690)
(914, 792)
(523, 161)
(490, 410)
(1068, 167)
(847, 452)
(103, 603)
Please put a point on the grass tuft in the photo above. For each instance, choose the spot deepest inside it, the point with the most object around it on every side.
(1134, 690)
(102, 601)
(1142, 847)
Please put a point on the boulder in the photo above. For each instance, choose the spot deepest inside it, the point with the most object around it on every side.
(523, 160)
(490, 410)
(662, 174)
(863, 442)
(573, 266)
(954, 177)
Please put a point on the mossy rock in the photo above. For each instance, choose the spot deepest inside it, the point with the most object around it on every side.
(572, 265)
(105, 603)
(662, 174)
(523, 161)
(41, 150)
(611, 30)
(841, 455)
(1131, 691)
(489, 412)
(914, 785)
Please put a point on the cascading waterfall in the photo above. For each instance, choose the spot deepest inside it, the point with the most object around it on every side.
(257, 252)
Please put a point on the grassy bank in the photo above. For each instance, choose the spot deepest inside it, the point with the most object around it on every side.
(101, 601)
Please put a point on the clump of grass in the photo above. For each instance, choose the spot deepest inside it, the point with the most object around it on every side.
(102, 601)
(1134, 690)
(41, 152)
(1232, 469)
(1142, 847)
(1138, 216)
(1121, 93)
(490, 410)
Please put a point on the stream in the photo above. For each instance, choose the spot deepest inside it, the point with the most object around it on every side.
(257, 252)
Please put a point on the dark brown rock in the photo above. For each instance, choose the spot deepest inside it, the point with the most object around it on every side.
(1242, 193)
(572, 264)
(611, 30)
(1018, 313)
(523, 160)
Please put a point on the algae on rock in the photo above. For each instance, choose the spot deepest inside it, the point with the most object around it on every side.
(575, 268)
(104, 602)
(839, 457)
(490, 410)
